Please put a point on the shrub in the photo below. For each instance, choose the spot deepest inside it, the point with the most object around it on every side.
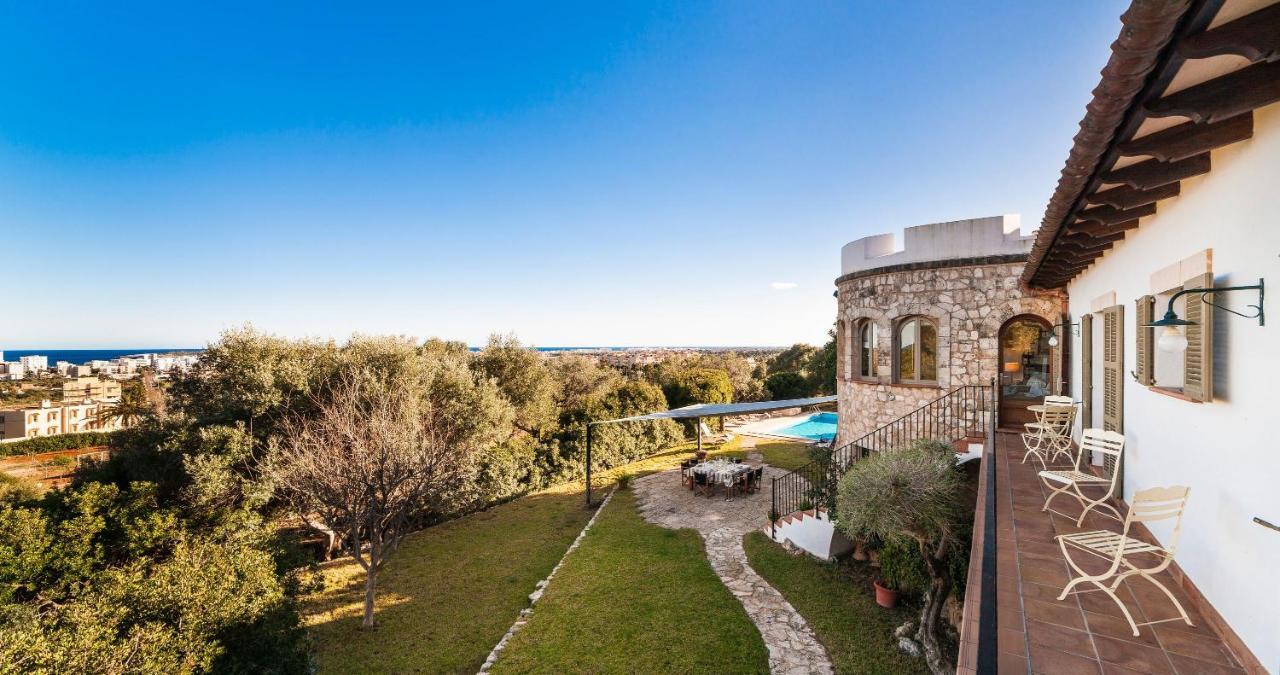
(902, 567)
(787, 385)
(39, 444)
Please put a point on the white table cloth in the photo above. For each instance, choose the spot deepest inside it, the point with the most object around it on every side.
(722, 471)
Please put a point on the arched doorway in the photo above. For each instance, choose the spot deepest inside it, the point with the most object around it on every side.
(1025, 368)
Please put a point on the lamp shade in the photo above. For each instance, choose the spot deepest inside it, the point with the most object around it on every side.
(1172, 339)
(1012, 367)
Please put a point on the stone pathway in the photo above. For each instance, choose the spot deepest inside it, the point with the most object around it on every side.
(793, 648)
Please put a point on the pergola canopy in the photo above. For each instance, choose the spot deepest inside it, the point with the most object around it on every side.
(698, 410)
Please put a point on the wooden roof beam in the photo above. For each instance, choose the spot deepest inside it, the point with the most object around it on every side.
(1125, 197)
(1095, 229)
(1189, 139)
(1154, 173)
(1254, 36)
(1222, 97)
(1110, 215)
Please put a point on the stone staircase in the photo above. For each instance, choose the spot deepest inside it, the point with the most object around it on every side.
(811, 531)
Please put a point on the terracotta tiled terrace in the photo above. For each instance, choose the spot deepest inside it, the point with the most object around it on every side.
(1084, 633)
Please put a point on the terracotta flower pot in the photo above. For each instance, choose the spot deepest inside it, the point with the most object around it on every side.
(859, 551)
(873, 557)
(886, 597)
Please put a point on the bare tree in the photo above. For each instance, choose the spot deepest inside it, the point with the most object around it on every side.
(372, 455)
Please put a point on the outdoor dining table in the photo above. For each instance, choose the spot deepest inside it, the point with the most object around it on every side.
(722, 471)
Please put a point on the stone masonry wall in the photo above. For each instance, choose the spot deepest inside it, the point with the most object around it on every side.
(969, 303)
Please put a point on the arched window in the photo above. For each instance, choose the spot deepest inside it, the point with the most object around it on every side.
(866, 340)
(916, 346)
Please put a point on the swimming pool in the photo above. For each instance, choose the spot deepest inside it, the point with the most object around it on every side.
(817, 427)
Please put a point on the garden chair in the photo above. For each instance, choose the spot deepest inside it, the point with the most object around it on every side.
(1070, 481)
(686, 472)
(1129, 556)
(1058, 400)
(704, 484)
(757, 477)
(1049, 436)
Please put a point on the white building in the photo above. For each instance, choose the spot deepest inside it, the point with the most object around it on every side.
(35, 363)
(51, 419)
(1174, 189)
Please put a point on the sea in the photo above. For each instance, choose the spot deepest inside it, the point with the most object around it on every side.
(81, 356)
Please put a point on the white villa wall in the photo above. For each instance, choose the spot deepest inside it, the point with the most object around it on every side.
(1227, 450)
(971, 238)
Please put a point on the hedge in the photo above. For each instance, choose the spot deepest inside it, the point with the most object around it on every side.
(32, 446)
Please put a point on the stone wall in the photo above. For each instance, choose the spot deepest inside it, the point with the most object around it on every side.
(967, 300)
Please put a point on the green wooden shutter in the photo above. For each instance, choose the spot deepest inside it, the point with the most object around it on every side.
(1145, 367)
(1197, 361)
(1113, 368)
(1063, 384)
(1086, 371)
(1113, 384)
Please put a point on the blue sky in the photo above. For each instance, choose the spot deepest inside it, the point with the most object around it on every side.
(587, 173)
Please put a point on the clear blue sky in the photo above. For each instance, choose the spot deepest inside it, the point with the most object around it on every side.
(589, 173)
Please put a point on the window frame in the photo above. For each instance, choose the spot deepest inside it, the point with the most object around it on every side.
(859, 362)
(899, 326)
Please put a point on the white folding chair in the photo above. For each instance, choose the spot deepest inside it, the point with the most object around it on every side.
(1070, 481)
(1126, 552)
(1050, 435)
(1058, 400)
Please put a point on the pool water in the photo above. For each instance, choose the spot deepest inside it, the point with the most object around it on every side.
(818, 427)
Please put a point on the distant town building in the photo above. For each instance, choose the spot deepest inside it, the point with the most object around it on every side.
(34, 363)
(12, 370)
(51, 419)
(82, 388)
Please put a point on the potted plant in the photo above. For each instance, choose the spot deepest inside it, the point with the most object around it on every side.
(886, 592)
(911, 495)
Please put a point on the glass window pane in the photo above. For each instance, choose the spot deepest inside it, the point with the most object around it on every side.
(907, 351)
(864, 360)
(928, 351)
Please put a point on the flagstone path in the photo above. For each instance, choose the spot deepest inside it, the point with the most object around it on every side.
(662, 500)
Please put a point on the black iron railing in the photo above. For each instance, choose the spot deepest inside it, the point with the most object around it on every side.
(962, 412)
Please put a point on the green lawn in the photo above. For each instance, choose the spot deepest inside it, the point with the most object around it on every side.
(636, 598)
(781, 454)
(451, 591)
(838, 602)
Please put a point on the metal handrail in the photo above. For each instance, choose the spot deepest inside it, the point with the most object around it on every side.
(813, 485)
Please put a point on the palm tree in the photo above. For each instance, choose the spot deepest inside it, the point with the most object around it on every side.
(132, 407)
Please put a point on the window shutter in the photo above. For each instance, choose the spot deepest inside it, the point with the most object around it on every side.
(1086, 371)
(1064, 356)
(1197, 361)
(1145, 367)
(1112, 368)
(1113, 384)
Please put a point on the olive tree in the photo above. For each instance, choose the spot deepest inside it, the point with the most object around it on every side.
(913, 495)
(377, 451)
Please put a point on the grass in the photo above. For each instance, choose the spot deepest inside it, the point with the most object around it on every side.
(452, 590)
(449, 593)
(785, 455)
(636, 598)
(838, 602)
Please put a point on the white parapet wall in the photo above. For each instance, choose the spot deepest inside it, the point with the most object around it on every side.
(972, 238)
